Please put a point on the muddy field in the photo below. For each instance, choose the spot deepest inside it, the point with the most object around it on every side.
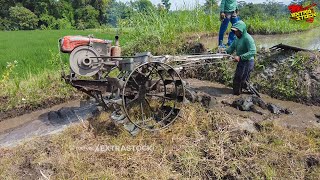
(204, 142)
(41, 122)
(28, 108)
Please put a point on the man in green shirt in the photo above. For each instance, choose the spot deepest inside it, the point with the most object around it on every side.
(245, 48)
(228, 12)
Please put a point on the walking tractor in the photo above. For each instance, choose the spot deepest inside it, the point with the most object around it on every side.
(143, 91)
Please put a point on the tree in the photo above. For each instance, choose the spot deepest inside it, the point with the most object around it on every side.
(166, 4)
(142, 6)
(101, 6)
(4, 7)
(276, 9)
(117, 11)
(47, 22)
(211, 6)
(86, 17)
(22, 18)
(5, 22)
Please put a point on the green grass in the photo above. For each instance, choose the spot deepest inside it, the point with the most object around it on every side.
(33, 49)
(35, 77)
(164, 33)
(33, 91)
(271, 25)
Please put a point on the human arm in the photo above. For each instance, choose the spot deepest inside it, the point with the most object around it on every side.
(222, 14)
(231, 48)
(251, 50)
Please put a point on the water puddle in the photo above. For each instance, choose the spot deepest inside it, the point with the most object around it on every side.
(307, 40)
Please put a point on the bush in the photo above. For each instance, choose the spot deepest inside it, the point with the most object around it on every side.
(5, 24)
(47, 22)
(63, 24)
(22, 18)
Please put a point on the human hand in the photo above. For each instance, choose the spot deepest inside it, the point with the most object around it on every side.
(222, 16)
(222, 50)
(236, 58)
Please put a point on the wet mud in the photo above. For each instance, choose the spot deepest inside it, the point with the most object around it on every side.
(44, 122)
(301, 117)
(28, 108)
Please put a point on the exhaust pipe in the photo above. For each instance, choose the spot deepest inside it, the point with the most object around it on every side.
(116, 49)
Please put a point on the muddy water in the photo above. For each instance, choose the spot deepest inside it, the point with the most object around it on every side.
(307, 40)
(44, 122)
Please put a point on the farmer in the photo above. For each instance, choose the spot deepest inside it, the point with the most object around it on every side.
(228, 12)
(245, 51)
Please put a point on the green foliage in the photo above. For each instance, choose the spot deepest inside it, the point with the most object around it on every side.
(63, 24)
(274, 25)
(4, 7)
(22, 18)
(32, 48)
(53, 14)
(266, 9)
(5, 24)
(161, 32)
(211, 6)
(87, 17)
(142, 6)
(47, 22)
(8, 72)
(117, 11)
(82, 14)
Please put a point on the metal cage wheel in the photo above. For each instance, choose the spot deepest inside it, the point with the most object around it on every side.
(153, 95)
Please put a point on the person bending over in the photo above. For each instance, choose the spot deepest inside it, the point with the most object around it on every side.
(245, 48)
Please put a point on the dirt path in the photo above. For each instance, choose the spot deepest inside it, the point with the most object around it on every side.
(55, 119)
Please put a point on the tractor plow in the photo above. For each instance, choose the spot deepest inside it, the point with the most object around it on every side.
(144, 91)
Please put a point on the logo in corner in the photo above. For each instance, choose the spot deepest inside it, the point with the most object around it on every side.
(298, 12)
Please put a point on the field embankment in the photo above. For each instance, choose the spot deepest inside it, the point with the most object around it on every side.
(293, 76)
(202, 143)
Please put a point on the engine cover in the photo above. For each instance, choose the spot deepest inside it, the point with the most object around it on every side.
(69, 43)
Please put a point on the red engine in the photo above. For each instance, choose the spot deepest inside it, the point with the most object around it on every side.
(87, 54)
(69, 43)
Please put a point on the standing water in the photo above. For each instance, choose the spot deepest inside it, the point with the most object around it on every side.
(307, 40)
